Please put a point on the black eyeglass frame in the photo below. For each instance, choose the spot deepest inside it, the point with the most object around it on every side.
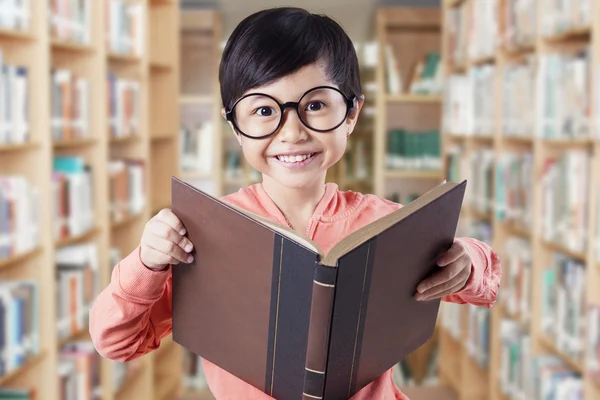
(350, 103)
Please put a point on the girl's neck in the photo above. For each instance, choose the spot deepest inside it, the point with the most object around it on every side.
(297, 205)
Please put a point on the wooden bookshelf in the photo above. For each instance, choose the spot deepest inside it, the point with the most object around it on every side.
(157, 71)
(411, 33)
(484, 383)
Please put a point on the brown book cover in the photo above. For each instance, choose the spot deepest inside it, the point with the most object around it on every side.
(265, 304)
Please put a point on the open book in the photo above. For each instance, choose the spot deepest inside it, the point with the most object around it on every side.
(264, 303)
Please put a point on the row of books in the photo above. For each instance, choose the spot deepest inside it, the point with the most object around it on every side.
(15, 15)
(424, 78)
(518, 98)
(515, 295)
(413, 149)
(561, 16)
(79, 371)
(14, 102)
(482, 30)
(77, 285)
(564, 305)
(70, 21)
(73, 198)
(19, 324)
(70, 98)
(513, 197)
(19, 216)
(457, 35)
(565, 194)
(124, 105)
(127, 194)
(518, 19)
(125, 27)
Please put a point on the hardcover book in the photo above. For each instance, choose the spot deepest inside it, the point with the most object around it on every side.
(264, 303)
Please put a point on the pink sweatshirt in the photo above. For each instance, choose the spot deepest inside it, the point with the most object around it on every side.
(133, 313)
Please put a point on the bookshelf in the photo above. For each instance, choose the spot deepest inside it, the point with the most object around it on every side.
(74, 119)
(408, 102)
(525, 144)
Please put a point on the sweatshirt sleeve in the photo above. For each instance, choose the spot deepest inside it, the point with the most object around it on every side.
(486, 272)
(133, 313)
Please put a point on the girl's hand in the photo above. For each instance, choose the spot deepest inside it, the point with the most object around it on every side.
(164, 242)
(455, 272)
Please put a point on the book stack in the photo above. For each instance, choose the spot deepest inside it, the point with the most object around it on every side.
(563, 305)
(79, 370)
(518, 17)
(15, 15)
(19, 216)
(518, 96)
(127, 194)
(457, 25)
(559, 16)
(77, 285)
(413, 150)
(593, 343)
(481, 171)
(19, 329)
(478, 334)
(516, 291)
(483, 32)
(123, 106)
(565, 188)
(70, 21)
(14, 102)
(69, 105)
(515, 361)
(197, 149)
(125, 24)
(564, 97)
(73, 197)
(512, 189)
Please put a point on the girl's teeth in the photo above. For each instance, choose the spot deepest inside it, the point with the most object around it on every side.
(292, 159)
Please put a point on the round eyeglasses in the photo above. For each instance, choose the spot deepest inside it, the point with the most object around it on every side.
(321, 109)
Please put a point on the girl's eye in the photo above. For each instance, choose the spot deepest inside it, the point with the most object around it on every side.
(315, 106)
(264, 111)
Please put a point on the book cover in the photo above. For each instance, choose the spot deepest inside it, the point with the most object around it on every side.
(266, 304)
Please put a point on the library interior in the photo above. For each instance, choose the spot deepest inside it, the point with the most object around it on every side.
(129, 90)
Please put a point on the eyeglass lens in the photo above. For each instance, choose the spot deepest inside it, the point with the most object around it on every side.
(320, 109)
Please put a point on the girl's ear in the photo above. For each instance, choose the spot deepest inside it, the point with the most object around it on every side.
(237, 136)
(355, 111)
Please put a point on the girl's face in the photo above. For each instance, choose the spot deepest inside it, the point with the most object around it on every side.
(294, 156)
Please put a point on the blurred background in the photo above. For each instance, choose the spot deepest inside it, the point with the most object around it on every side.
(102, 101)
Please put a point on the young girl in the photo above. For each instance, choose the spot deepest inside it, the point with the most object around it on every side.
(291, 93)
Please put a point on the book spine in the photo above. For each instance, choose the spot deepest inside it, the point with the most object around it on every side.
(319, 332)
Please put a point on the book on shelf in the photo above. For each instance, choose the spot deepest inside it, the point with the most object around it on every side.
(559, 17)
(517, 20)
(196, 148)
(302, 309)
(424, 78)
(18, 393)
(77, 285)
(553, 379)
(72, 190)
(563, 305)
(565, 199)
(518, 95)
(125, 27)
(70, 21)
(512, 189)
(483, 29)
(457, 34)
(517, 288)
(458, 108)
(79, 371)
(564, 95)
(19, 323)
(515, 360)
(14, 103)
(19, 216)
(124, 105)
(15, 15)
(126, 188)
(481, 174)
(478, 334)
(69, 105)
(413, 150)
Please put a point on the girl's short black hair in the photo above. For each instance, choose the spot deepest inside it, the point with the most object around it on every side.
(272, 43)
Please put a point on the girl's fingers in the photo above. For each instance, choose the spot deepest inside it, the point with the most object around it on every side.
(169, 248)
(165, 231)
(166, 216)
